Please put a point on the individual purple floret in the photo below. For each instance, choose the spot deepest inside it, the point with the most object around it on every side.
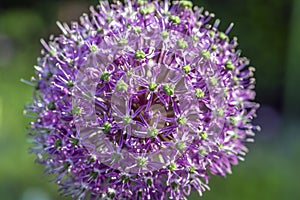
(142, 100)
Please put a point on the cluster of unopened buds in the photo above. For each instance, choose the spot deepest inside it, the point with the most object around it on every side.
(141, 100)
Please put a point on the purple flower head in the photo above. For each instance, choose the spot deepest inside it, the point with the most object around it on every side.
(141, 100)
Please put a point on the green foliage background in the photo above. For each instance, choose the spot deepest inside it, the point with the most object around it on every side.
(268, 32)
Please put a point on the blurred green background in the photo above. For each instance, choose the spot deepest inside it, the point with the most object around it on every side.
(268, 32)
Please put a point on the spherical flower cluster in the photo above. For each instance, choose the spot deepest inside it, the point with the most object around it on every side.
(142, 100)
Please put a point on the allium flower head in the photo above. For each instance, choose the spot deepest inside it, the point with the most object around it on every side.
(142, 100)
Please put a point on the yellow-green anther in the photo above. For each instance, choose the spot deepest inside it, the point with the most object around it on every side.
(129, 73)
(152, 132)
(202, 151)
(180, 145)
(226, 92)
(222, 36)
(108, 19)
(137, 29)
(147, 9)
(139, 54)
(214, 47)
(220, 145)
(52, 52)
(199, 93)
(151, 8)
(236, 80)
(186, 4)
(106, 127)
(141, 2)
(172, 166)
(94, 48)
(213, 81)
(152, 86)
(186, 69)
(141, 161)
(211, 33)
(100, 30)
(165, 34)
(182, 44)
(194, 38)
(235, 135)
(198, 24)
(233, 121)
(205, 54)
(76, 110)
(166, 13)
(104, 76)
(220, 112)
(122, 42)
(121, 86)
(169, 89)
(175, 19)
(192, 169)
(127, 119)
(203, 135)
(70, 83)
(182, 121)
(71, 62)
(229, 65)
